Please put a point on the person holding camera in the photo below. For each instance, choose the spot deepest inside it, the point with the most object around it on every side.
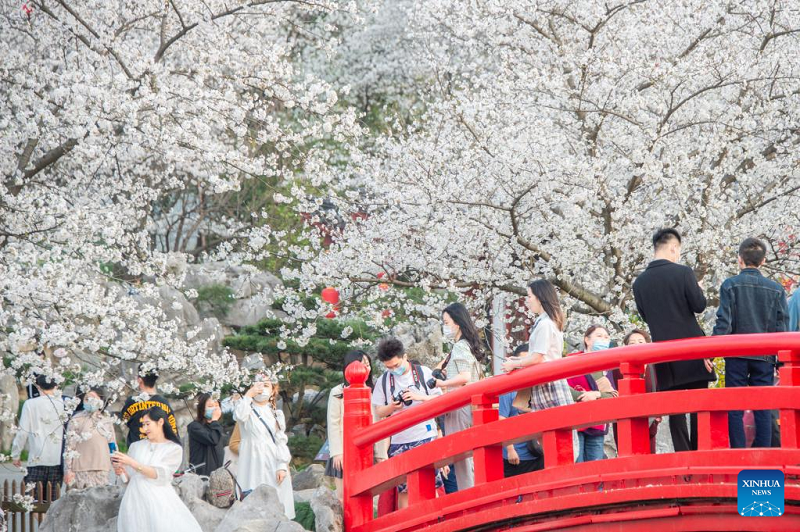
(459, 368)
(403, 386)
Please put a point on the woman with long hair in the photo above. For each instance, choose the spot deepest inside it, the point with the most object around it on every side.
(206, 449)
(459, 368)
(335, 466)
(546, 344)
(150, 503)
(591, 387)
(263, 451)
(87, 462)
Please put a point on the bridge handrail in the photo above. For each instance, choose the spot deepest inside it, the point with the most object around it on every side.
(675, 350)
(519, 428)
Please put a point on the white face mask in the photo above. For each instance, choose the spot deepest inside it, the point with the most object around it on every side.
(448, 332)
(262, 397)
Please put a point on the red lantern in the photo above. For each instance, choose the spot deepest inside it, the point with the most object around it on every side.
(382, 286)
(331, 295)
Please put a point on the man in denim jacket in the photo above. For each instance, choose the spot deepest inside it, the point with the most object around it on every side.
(751, 303)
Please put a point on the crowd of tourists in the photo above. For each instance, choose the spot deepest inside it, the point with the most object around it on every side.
(83, 453)
(668, 298)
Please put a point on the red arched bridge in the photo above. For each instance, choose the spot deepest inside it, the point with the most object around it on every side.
(638, 490)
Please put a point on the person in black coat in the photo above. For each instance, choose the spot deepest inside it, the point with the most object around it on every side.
(667, 297)
(206, 448)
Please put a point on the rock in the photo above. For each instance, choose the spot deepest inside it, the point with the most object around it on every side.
(423, 343)
(304, 495)
(9, 402)
(190, 487)
(309, 478)
(246, 312)
(208, 515)
(664, 438)
(89, 510)
(261, 505)
(328, 511)
(265, 526)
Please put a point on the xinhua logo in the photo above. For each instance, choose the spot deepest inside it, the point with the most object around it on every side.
(761, 493)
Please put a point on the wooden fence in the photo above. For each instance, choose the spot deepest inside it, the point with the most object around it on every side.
(19, 520)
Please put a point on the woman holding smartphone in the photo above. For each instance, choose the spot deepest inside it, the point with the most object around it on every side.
(87, 460)
(264, 452)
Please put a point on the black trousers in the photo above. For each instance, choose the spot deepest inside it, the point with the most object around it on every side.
(524, 466)
(681, 439)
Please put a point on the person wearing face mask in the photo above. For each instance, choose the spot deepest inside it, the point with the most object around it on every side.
(404, 383)
(460, 367)
(206, 449)
(87, 460)
(591, 387)
(263, 450)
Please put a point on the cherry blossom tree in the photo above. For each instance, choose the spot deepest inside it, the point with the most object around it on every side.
(557, 136)
(117, 120)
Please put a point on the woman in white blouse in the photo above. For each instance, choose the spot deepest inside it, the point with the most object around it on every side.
(150, 502)
(546, 344)
(263, 451)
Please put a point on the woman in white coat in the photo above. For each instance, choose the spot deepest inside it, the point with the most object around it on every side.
(263, 451)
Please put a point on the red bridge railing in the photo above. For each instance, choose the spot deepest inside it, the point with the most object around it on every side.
(696, 489)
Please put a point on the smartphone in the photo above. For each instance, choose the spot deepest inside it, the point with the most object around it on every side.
(112, 447)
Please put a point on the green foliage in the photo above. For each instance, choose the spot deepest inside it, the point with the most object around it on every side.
(305, 448)
(217, 296)
(326, 346)
(304, 515)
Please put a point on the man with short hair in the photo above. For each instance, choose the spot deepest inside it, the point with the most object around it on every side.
(750, 303)
(405, 381)
(667, 297)
(41, 427)
(136, 406)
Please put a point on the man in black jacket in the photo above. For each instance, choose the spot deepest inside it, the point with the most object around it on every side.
(667, 297)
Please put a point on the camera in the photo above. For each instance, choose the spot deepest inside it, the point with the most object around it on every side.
(398, 398)
(437, 374)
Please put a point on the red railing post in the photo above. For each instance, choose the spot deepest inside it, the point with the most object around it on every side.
(421, 485)
(790, 420)
(712, 431)
(487, 461)
(633, 435)
(357, 415)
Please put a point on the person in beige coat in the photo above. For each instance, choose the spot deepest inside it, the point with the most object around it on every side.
(335, 465)
(87, 460)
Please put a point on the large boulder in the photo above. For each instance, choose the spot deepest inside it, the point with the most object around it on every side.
(328, 511)
(423, 343)
(304, 495)
(262, 504)
(192, 489)
(89, 510)
(309, 478)
(266, 526)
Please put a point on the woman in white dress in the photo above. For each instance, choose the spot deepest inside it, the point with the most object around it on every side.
(150, 502)
(263, 451)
